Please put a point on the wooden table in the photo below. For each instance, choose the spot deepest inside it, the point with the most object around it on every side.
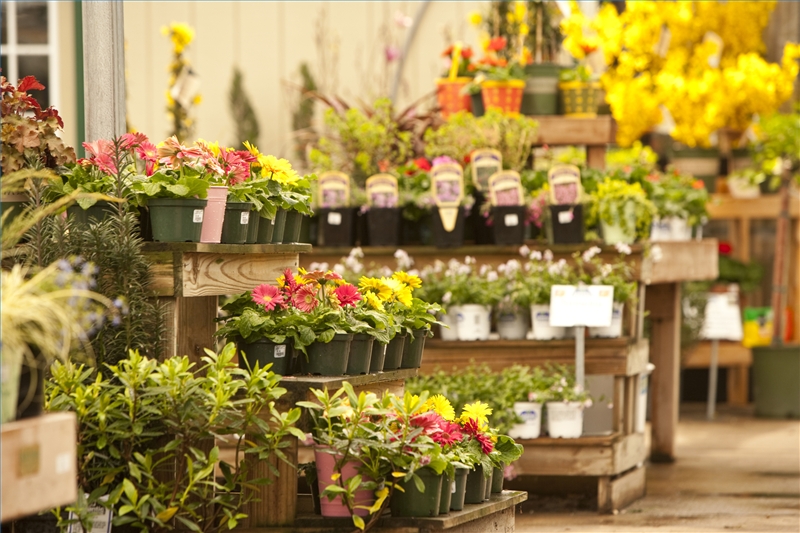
(594, 133)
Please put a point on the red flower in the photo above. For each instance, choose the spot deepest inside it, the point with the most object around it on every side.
(450, 433)
(287, 280)
(422, 163)
(429, 422)
(486, 443)
(383, 165)
(698, 184)
(466, 53)
(268, 296)
(305, 299)
(497, 44)
(471, 426)
(725, 248)
(588, 48)
(347, 295)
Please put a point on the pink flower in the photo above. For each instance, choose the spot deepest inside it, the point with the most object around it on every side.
(486, 443)
(347, 295)
(450, 433)
(442, 159)
(429, 422)
(132, 140)
(392, 53)
(268, 296)
(305, 299)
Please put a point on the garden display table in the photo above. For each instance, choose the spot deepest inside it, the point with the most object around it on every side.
(594, 133)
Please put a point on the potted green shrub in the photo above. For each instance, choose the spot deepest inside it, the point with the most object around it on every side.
(624, 211)
(566, 402)
(529, 390)
(746, 183)
(512, 312)
(471, 296)
(680, 202)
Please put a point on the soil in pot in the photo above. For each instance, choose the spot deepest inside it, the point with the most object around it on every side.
(565, 225)
(378, 357)
(263, 352)
(497, 481)
(278, 227)
(176, 219)
(412, 351)
(383, 226)
(411, 502)
(237, 220)
(252, 228)
(360, 354)
(457, 497)
(508, 224)
(475, 486)
(443, 238)
(336, 227)
(448, 488)
(294, 223)
(394, 352)
(327, 359)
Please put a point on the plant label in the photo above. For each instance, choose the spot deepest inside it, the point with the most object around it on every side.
(100, 519)
(447, 182)
(334, 219)
(334, 190)
(280, 351)
(197, 216)
(382, 191)
(511, 220)
(484, 163)
(581, 305)
(186, 87)
(244, 218)
(565, 217)
(452, 487)
(723, 320)
(565, 184)
(505, 188)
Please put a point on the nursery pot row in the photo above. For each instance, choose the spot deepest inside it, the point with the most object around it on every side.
(564, 420)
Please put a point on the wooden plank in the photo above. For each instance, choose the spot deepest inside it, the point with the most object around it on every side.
(616, 494)
(730, 354)
(629, 406)
(629, 451)
(206, 274)
(249, 249)
(274, 504)
(584, 456)
(596, 157)
(557, 130)
(669, 262)
(37, 461)
(194, 326)
(723, 206)
(739, 385)
(619, 404)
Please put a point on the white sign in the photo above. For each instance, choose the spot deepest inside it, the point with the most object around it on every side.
(723, 318)
(100, 519)
(197, 216)
(334, 218)
(581, 305)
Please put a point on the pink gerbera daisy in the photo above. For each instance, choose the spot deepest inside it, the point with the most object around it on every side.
(486, 443)
(347, 295)
(450, 433)
(305, 299)
(268, 296)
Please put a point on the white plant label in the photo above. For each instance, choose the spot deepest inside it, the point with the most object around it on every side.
(197, 216)
(581, 305)
(99, 516)
(334, 218)
(723, 319)
(511, 220)
(453, 487)
(244, 217)
(565, 217)
(280, 351)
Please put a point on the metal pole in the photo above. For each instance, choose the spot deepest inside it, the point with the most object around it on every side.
(580, 352)
(712, 380)
(412, 32)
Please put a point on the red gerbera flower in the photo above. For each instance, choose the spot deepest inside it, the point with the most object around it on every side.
(305, 299)
(450, 433)
(497, 44)
(268, 296)
(287, 280)
(347, 295)
(422, 163)
(486, 443)
(471, 426)
(429, 422)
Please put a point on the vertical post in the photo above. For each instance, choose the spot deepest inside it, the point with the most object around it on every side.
(104, 69)
(79, 92)
(580, 354)
(712, 380)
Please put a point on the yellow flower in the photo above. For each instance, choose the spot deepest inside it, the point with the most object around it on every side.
(181, 35)
(197, 99)
(475, 18)
(477, 411)
(441, 406)
(375, 286)
(520, 10)
(253, 150)
(212, 147)
(373, 301)
(409, 279)
(524, 29)
(404, 296)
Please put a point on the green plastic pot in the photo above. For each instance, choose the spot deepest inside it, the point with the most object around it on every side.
(252, 228)
(265, 352)
(497, 481)
(292, 226)
(360, 354)
(477, 104)
(411, 502)
(327, 359)
(394, 353)
(541, 89)
(776, 381)
(412, 349)
(476, 485)
(280, 224)
(448, 488)
(457, 497)
(487, 488)
(266, 226)
(237, 220)
(14, 203)
(98, 212)
(176, 219)
(378, 357)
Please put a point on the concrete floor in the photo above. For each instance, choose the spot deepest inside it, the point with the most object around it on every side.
(736, 473)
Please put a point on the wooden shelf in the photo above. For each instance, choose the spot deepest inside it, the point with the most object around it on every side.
(559, 130)
(621, 357)
(733, 356)
(38, 464)
(724, 206)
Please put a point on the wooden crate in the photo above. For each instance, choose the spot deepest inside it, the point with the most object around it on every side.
(38, 465)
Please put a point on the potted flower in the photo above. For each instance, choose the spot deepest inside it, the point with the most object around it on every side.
(624, 211)
(512, 312)
(746, 183)
(565, 405)
(435, 285)
(474, 293)
(680, 201)
(578, 86)
(529, 389)
(451, 90)
(542, 272)
(415, 200)
(503, 80)
(478, 437)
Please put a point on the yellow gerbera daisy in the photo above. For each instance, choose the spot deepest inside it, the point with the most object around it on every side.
(376, 286)
(404, 295)
(477, 411)
(409, 279)
(253, 149)
(441, 406)
(373, 301)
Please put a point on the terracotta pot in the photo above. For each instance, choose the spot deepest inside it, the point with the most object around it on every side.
(504, 95)
(451, 96)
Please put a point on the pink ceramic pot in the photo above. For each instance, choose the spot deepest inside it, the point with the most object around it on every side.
(214, 214)
(326, 464)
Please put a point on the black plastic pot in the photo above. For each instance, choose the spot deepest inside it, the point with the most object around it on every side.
(360, 231)
(378, 357)
(478, 226)
(477, 104)
(448, 484)
(252, 228)
(447, 239)
(294, 223)
(412, 349)
(145, 228)
(457, 497)
(487, 489)
(264, 352)
(476, 485)
(416, 231)
(541, 89)
(566, 224)
(336, 227)
(278, 227)
(96, 213)
(308, 232)
(383, 226)
(266, 226)
(14, 203)
(411, 502)
(394, 353)
(327, 359)
(497, 481)
(360, 354)
(176, 219)
(508, 224)
(237, 220)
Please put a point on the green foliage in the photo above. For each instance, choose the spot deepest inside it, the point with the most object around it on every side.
(244, 117)
(676, 195)
(614, 197)
(303, 116)
(188, 183)
(780, 139)
(80, 178)
(146, 437)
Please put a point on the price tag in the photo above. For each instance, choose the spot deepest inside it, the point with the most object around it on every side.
(565, 217)
(581, 305)
(511, 220)
(280, 351)
(447, 187)
(382, 191)
(723, 318)
(197, 216)
(565, 184)
(244, 218)
(334, 218)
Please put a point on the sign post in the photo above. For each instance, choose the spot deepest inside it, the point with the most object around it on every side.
(723, 321)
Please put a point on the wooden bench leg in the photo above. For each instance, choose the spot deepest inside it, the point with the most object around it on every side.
(738, 385)
(614, 494)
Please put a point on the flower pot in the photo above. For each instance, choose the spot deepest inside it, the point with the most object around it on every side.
(451, 95)
(265, 228)
(292, 227)
(776, 381)
(508, 224)
(579, 98)
(643, 390)
(410, 502)
(565, 419)
(336, 227)
(740, 159)
(383, 226)
(475, 486)
(96, 213)
(487, 488)
(742, 188)
(377, 357)
(497, 481)
(565, 224)
(177, 219)
(531, 415)
(214, 214)
(477, 104)
(512, 326)
(623, 228)
(263, 352)
(14, 203)
(278, 227)
(326, 466)
(540, 321)
(360, 354)
(702, 163)
(450, 319)
(416, 231)
(474, 322)
(541, 89)
(459, 489)
(236, 223)
(394, 352)
(412, 350)
(614, 331)
(308, 230)
(446, 495)
(505, 95)
(443, 238)
(327, 358)
(252, 228)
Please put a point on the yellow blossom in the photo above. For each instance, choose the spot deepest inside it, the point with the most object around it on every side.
(441, 406)
(375, 286)
(253, 149)
(373, 301)
(477, 411)
(409, 279)
(475, 18)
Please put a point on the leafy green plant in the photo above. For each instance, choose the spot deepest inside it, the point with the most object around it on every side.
(620, 203)
(676, 195)
(188, 183)
(563, 387)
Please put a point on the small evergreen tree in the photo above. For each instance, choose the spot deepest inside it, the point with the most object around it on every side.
(244, 117)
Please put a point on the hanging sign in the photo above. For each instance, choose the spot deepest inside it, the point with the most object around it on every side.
(581, 305)
(185, 88)
(447, 183)
(334, 190)
(382, 191)
(505, 188)
(484, 163)
(565, 184)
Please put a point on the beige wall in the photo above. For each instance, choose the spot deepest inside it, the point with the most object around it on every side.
(66, 71)
(269, 40)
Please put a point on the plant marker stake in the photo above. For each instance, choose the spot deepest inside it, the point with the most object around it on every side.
(580, 352)
(712, 380)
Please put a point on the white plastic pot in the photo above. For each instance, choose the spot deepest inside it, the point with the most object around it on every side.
(542, 330)
(450, 318)
(660, 230)
(614, 331)
(680, 230)
(512, 326)
(531, 414)
(565, 419)
(474, 322)
(742, 188)
(641, 399)
(617, 232)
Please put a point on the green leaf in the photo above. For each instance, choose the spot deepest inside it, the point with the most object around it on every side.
(358, 522)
